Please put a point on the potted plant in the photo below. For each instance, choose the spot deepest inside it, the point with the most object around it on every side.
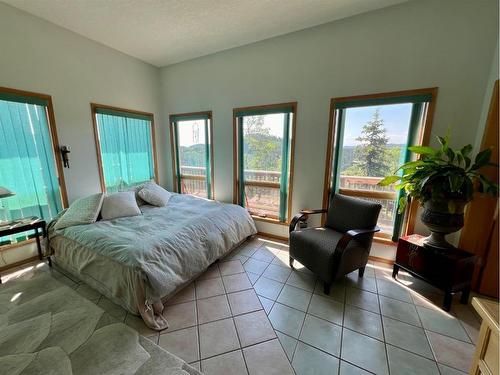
(444, 180)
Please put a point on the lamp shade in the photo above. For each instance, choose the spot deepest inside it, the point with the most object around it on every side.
(4, 192)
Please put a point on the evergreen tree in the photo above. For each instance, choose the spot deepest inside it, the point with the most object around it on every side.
(370, 157)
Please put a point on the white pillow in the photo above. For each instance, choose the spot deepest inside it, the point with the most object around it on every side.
(136, 188)
(121, 204)
(82, 211)
(154, 194)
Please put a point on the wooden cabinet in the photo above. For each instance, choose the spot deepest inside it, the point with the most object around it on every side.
(480, 233)
(485, 359)
(447, 269)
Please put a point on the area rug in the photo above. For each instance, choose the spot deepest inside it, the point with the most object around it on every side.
(48, 328)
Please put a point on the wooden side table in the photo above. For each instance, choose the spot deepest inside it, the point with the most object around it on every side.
(485, 359)
(23, 225)
(447, 269)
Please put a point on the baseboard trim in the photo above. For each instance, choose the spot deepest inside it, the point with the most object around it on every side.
(381, 260)
(20, 263)
(273, 236)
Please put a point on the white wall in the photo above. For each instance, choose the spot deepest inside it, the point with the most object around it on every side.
(446, 43)
(36, 55)
(425, 43)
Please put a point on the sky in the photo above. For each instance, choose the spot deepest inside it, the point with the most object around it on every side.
(187, 137)
(274, 123)
(396, 121)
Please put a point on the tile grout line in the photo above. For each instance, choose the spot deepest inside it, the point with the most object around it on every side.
(383, 330)
(352, 330)
(303, 321)
(342, 329)
(197, 322)
(428, 341)
(399, 320)
(274, 302)
(236, 329)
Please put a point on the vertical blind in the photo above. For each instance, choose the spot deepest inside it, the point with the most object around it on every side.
(126, 149)
(27, 163)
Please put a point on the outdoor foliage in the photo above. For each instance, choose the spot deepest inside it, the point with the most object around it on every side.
(262, 149)
(443, 174)
(374, 157)
(193, 156)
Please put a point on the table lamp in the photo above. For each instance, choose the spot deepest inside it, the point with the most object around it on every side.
(4, 193)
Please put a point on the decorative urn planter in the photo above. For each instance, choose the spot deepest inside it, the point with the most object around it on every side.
(442, 218)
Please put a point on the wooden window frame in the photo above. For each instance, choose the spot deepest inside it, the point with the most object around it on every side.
(51, 119)
(174, 151)
(51, 122)
(93, 108)
(236, 192)
(424, 138)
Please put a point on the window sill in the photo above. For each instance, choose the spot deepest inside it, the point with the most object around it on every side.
(269, 220)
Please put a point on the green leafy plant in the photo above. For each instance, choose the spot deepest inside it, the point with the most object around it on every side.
(443, 174)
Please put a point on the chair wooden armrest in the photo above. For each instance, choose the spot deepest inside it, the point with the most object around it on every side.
(302, 215)
(353, 233)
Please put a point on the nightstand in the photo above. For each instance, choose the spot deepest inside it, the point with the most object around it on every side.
(447, 269)
(27, 224)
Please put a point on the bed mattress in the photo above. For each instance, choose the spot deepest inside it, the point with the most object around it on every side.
(140, 261)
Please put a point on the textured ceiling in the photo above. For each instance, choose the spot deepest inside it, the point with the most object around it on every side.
(163, 32)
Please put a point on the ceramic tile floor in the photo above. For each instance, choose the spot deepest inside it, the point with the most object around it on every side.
(251, 314)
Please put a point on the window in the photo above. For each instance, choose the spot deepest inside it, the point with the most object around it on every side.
(263, 170)
(125, 147)
(192, 147)
(369, 136)
(28, 165)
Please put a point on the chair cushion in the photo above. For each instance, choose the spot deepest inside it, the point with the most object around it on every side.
(314, 248)
(346, 213)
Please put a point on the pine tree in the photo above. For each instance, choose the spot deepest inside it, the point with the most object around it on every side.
(370, 157)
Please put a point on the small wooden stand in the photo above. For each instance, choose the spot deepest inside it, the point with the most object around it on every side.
(447, 269)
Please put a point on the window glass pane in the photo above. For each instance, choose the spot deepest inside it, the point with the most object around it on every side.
(192, 147)
(263, 201)
(194, 187)
(387, 214)
(193, 156)
(265, 163)
(126, 151)
(27, 164)
(373, 146)
(262, 147)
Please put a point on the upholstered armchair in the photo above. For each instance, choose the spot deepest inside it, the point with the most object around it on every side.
(342, 245)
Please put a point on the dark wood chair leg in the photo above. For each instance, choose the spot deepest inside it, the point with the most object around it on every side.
(326, 288)
(361, 271)
(464, 298)
(38, 244)
(395, 271)
(290, 261)
(448, 297)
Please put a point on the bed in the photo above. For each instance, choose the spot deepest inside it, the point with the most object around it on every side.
(139, 262)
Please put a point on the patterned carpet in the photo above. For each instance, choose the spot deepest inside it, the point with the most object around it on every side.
(48, 328)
